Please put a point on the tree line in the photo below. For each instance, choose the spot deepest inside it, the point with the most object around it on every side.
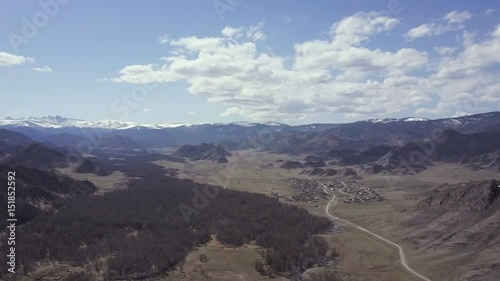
(145, 234)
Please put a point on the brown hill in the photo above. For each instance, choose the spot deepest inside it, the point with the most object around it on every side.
(315, 164)
(90, 167)
(204, 151)
(477, 196)
(489, 161)
(397, 161)
(313, 158)
(320, 172)
(463, 219)
(37, 155)
(292, 165)
(415, 156)
(372, 154)
(351, 160)
(362, 135)
(348, 172)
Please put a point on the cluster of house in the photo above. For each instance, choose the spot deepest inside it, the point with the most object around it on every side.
(352, 191)
(309, 191)
(360, 195)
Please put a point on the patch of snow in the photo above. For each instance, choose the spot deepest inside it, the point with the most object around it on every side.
(415, 119)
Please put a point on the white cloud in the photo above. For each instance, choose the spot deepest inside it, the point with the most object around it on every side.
(489, 12)
(7, 59)
(340, 74)
(254, 33)
(430, 29)
(457, 17)
(145, 74)
(164, 39)
(356, 29)
(444, 50)
(191, 113)
(147, 110)
(43, 69)
(230, 32)
(420, 31)
(463, 82)
(287, 19)
(453, 21)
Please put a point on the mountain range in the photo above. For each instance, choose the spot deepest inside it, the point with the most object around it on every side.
(271, 136)
(59, 122)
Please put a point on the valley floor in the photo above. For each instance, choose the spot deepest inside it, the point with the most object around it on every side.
(362, 256)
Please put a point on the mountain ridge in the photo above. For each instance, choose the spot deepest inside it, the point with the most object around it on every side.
(63, 122)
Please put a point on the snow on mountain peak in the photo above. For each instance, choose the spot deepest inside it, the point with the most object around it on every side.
(57, 121)
(391, 120)
(415, 119)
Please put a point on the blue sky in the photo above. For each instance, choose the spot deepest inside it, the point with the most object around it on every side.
(254, 60)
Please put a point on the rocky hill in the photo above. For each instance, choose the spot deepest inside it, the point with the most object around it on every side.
(90, 167)
(489, 161)
(477, 196)
(478, 150)
(463, 219)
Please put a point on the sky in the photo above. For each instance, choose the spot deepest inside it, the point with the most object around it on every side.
(286, 61)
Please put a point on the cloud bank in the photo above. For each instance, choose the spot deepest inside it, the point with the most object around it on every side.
(340, 74)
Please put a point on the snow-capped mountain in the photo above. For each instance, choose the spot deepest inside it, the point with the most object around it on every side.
(58, 122)
(250, 124)
(309, 136)
(391, 120)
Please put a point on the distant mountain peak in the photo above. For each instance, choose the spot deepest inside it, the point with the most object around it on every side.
(391, 120)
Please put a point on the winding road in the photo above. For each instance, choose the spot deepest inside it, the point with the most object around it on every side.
(402, 255)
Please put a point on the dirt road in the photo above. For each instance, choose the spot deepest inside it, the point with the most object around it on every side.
(402, 255)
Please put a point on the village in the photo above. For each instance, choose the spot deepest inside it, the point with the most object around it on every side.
(362, 195)
(309, 191)
(351, 191)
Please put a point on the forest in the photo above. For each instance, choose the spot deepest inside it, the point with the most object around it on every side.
(148, 229)
(38, 187)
